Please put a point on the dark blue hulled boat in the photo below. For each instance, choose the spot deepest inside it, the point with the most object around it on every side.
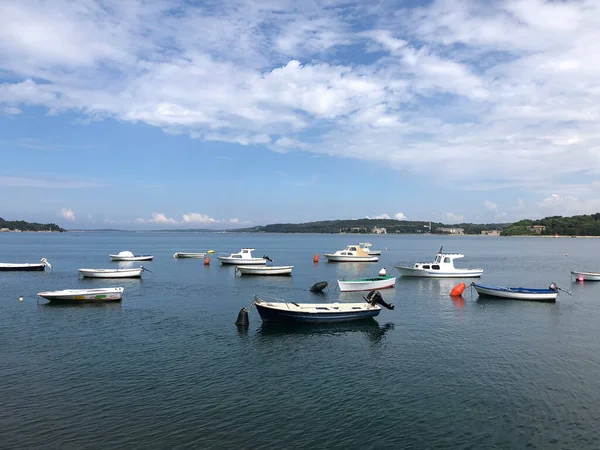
(11, 267)
(291, 312)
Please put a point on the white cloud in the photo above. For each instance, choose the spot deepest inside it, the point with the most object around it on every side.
(453, 218)
(198, 218)
(10, 111)
(67, 214)
(490, 206)
(10, 181)
(380, 216)
(188, 219)
(503, 94)
(400, 216)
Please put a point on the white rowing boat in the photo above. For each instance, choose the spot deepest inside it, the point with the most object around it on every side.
(367, 284)
(189, 255)
(16, 267)
(129, 256)
(135, 272)
(264, 270)
(84, 295)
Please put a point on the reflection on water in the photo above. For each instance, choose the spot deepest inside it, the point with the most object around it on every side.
(370, 327)
(458, 301)
(106, 305)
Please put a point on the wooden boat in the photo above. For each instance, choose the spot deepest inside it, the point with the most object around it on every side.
(128, 256)
(243, 257)
(586, 276)
(189, 255)
(84, 295)
(367, 248)
(352, 253)
(517, 293)
(9, 267)
(135, 272)
(441, 267)
(264, 270)
(292, 312)
(367, 284)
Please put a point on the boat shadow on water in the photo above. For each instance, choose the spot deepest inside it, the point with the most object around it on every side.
(370, 327)
(87, 304)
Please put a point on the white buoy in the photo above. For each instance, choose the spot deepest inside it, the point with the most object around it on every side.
(21, 298)
(383, 272)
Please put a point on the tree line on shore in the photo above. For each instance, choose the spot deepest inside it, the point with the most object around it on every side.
(582, 225)
(22, 225)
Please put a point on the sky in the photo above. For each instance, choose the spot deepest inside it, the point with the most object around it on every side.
(140, 114)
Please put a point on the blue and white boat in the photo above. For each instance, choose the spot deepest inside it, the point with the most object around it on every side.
(517, 293)
(292, 312)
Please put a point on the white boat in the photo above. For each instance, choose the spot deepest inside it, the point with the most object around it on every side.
(367, 284)
(135, 272)
(84, 295)
(352, 253)
(128, 256)
(264, 270)
(243, 257)
(366, 247)
(189, 255)
(586, 276)
(15, 267)
(517, 293)
(441, 267)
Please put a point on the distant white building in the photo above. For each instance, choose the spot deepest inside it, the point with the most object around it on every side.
(451, 230)
(490, 232)
(379, 230)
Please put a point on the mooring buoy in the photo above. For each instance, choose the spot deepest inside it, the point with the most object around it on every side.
(242, 318)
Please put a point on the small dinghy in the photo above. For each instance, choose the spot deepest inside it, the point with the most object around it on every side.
(318, 313)
(128, 256)
(519, 293)
(367, 284)
(189, 255)
(84, 295)
(586, 276)
(135, 272)
(9, 267)
(264, 270)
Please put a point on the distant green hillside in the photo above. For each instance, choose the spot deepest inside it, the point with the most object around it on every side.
(29, 226)
(584, 225)
(367, 226)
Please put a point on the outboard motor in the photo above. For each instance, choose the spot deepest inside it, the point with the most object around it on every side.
(318, 287)
(375, 297)
(267, 258)
(553, 286)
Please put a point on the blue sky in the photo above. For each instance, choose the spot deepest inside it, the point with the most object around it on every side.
(176, 114)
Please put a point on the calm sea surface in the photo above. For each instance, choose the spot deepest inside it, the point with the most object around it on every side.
(167, 367)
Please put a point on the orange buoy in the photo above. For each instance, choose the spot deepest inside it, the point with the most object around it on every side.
(207, 261)
(457, 290)
(316, 258)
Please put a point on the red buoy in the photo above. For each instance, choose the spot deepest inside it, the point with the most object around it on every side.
(457, 290)
(207, 261)
(316, 258)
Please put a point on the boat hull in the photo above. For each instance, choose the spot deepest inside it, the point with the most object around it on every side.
(189, 255)
(587, 276)
(501, 292)
(350, 258)
(108, 273)
(265, 270)
(242, 261)
(369, 284)
(279, 315)
(84, 295)
(428, 273)
(131, 258)
(22, 267)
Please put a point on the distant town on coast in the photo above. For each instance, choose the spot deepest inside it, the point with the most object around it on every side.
(581, 225)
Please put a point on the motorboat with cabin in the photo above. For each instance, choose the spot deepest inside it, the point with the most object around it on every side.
(441, 267)
(351, 253)
(243, 257)
(366, 247)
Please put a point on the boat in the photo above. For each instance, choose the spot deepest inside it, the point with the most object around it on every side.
(366, 247)
(264, 270)
(243, 257)
(84, 295)
(351, 253)
(586, 276)
(517, 293)
(441, 267)
(128, 256)
(367, 284)
(10, 267)
(189, 255)
(135, 272)
(317, 313)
